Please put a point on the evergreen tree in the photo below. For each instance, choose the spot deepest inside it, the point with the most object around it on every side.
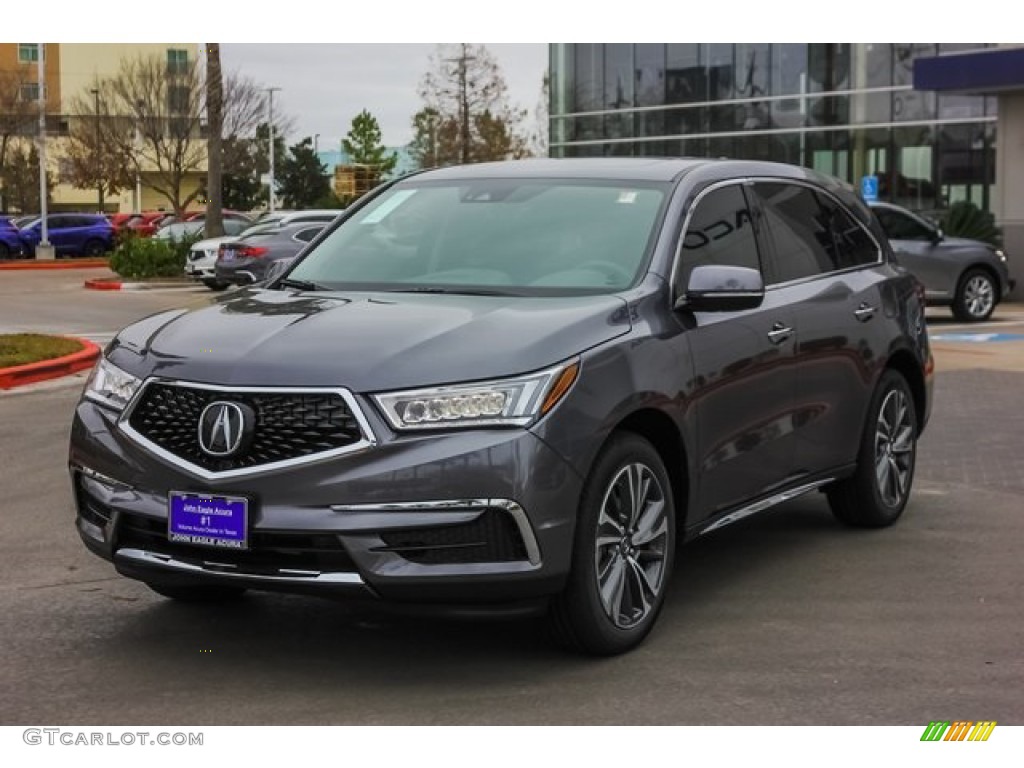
(364, 147)
(302, 178)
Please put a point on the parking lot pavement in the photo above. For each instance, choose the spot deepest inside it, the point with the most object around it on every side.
(784, 618)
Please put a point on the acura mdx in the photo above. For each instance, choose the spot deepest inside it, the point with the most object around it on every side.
(514, 386)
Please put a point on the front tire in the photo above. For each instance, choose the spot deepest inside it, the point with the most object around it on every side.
(197, 593)
(215, 285)
(976, 297)
(623, 551)
(876, 494)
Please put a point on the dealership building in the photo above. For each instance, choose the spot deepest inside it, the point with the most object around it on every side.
(935, 123)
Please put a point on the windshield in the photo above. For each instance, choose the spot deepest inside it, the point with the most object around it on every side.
(523, 237)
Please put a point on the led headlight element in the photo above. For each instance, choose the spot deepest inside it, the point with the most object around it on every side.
(1000, 255)
(110, 386)
(506, 402)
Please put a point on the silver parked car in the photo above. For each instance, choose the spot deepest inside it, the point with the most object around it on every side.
(969, 276)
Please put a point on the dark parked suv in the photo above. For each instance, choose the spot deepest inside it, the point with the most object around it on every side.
(78, 234)
(514, 386)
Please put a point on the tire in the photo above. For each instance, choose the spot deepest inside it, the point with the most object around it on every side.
(196, 593)
(976, 296)
(876, 494)
(631, 568)
(215, 285)
(94, 248)
(5, 252)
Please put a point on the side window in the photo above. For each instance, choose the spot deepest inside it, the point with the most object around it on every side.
(720, 231)
(798, 227)
(899, 226)
(854, 247)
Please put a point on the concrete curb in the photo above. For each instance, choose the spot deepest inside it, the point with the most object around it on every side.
(113, 284)
(62, 264)
(31, 373)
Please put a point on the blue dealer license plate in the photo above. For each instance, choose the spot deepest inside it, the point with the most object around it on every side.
(212, 521)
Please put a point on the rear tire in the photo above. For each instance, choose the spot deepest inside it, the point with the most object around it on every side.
(198, 594)
(5, 252)
(876, 494)
(94, 248)
(623, 551)
(215, 285)
(976, 296)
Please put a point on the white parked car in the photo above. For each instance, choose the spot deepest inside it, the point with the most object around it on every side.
(201, 258)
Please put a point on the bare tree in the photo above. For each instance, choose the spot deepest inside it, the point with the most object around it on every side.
(465, 90)
(96, 162)
(17, 118)
(214, 169)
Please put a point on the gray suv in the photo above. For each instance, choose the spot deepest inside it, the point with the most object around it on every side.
(514, 387)
(969, 276)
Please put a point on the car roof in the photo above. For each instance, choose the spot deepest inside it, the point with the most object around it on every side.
(654, 169)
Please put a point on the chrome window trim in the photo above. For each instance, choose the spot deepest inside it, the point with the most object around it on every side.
(751, 180)
(368, 440)
(509, 506)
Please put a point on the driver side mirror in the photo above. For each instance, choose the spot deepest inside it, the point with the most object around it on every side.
(720, 288)
(938, 235)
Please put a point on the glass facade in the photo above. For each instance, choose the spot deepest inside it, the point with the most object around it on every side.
(848, 110)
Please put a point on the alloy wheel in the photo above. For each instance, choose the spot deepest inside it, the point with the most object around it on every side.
(979, 296)
(631, 545)
(894, 448)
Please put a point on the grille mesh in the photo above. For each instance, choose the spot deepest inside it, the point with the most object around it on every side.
(492, 538)
(288, 425)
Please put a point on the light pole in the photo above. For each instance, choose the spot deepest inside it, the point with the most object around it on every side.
(97, 150)
(137, 207)
(270, 103)
(44, 250)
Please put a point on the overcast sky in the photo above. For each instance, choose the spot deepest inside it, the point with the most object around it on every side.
(323, 86)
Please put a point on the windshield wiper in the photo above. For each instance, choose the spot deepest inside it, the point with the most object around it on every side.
(302, 285)
(454, 291)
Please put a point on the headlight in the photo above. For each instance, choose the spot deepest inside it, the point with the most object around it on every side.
(1000, 255)
(110, 386)
(505, 402)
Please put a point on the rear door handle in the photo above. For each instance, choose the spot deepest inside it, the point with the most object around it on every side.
(864, 312)
(779, 333)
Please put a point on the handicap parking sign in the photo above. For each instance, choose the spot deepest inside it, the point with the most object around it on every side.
(869, 187)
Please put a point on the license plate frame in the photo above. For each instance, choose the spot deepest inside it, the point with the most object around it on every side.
(208, 520)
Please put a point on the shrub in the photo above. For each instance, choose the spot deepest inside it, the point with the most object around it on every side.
(139, 257)
(965, 219)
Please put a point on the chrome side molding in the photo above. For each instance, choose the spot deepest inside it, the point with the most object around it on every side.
(763, 504)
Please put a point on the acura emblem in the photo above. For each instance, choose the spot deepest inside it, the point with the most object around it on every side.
(223, 427)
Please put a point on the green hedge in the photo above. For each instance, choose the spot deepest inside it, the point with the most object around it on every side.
(140, 257)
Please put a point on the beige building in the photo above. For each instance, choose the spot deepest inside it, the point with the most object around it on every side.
(71, 70)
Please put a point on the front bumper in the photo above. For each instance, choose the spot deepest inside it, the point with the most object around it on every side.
(464, 517)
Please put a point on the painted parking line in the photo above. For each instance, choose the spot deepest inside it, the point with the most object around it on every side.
(976, 338)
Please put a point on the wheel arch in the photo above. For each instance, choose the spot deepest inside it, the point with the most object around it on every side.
(905, 364)
(660, 431)
(989, 270)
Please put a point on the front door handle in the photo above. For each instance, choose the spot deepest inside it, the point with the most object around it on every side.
(779, 333)
(864, 312)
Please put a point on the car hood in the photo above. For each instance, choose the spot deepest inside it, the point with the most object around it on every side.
(365, 341)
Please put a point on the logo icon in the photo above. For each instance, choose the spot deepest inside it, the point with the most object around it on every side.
(960, 730)
(223, 427)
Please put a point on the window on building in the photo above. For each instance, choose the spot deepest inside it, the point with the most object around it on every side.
(720, 232)
(28, 52)
(177, 61)
(29, 91)
(178, 99)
